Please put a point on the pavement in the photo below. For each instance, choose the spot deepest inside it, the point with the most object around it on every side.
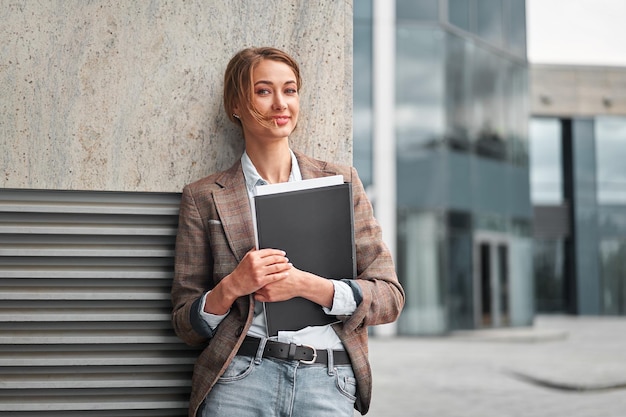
(562, 366)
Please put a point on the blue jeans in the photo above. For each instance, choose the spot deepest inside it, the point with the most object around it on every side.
(268, 387)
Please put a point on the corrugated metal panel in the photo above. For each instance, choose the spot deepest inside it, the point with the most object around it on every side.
(85, 305)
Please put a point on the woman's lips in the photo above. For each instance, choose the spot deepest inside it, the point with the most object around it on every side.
(281, 120)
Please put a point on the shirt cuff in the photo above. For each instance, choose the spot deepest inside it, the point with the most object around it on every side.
(344, 303)
(212, 320)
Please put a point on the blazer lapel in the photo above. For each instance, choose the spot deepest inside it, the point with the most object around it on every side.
(233, 208)
(312, 168)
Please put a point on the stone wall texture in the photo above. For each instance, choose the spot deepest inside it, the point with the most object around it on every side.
(127, 95)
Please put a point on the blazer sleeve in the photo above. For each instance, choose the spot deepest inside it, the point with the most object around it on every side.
(383, 296)
(193, 269)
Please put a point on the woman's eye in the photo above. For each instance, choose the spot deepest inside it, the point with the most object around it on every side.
(291, 91)
(263, 91)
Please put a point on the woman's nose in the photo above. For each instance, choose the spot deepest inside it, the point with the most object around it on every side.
(279, 103)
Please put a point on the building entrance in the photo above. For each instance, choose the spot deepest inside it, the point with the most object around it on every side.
(491, 280)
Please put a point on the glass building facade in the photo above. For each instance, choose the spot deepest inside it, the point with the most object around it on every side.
(578, 174)
(464, 244)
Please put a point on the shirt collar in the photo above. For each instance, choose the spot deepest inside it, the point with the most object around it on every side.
(252, 175)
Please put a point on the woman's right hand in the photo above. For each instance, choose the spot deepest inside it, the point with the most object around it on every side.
(257, 269)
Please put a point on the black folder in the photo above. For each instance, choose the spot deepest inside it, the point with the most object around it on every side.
(315, 227)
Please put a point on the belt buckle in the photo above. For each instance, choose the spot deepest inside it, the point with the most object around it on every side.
(312, 361)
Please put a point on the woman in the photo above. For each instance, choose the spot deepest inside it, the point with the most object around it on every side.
(221, 280)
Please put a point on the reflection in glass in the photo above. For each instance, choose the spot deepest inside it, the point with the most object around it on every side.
(611, 159)
(460, 298)
(515, 26)
(417, 9)
(419, 89)
(459, 13)
(488, 83)
(453, 94)
(362, 9)
(546, 176)
(516, 112)
(612, 220)
(458, 102)
(489, 21)
(362, 106)
(613, 258)
(421, 273)
(521, 285)
(549, 278)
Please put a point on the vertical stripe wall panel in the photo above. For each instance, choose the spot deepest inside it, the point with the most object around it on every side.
(85, 305)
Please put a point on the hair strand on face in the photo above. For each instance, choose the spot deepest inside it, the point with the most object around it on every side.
(238, 88)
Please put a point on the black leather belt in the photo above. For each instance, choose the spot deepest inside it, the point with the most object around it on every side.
(307, 355)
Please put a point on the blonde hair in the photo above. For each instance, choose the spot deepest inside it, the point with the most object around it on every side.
(238, 88)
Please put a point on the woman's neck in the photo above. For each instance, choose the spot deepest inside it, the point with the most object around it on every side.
(272, 163)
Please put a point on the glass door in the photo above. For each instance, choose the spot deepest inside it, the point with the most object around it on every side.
(491, 280)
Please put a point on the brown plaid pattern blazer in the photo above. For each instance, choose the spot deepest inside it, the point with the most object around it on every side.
(214, 233)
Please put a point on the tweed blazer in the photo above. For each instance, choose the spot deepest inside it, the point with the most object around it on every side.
(215, 231)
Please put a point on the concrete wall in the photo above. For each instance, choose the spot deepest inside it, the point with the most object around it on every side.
(577, 90)
(127, 95)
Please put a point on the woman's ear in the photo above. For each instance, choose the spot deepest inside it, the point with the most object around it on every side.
(236, 113)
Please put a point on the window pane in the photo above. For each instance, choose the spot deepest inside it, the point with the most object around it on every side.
(515, 26)
(420, 267)
(417, 9)
(517, 113)
(546, 177)
(612, 220)
(362, 95)
(460, 297)
(362, 10)
(489, 21)
(521, 283)
(458, 92)
(419, 89)
(610, 159)
(488, 83)
(613, 258)
(549, 277)
(458, 13)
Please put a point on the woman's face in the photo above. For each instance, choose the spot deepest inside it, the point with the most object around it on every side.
(275, 96)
